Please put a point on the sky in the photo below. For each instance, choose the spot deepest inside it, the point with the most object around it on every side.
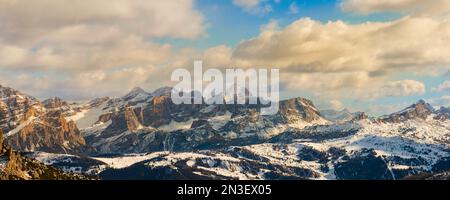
(376, 56)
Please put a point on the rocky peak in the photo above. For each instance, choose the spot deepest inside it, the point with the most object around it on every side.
(13, 97)
(134, 93)
(54, 102)
(16, 107)
(97, 102)
(14, 166)
(443, 113)
(444, 110)
(50, 132)
(343, 115)
(299, 108)
(419, 110)
(164, 91)
(359, 116)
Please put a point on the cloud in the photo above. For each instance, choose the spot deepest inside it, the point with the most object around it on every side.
(311, 46)
(324, 82)
(445, 86)
(246, 3)
(336, 58)
(30, 19)
(402, 88)
(335, 104)
(254, 6)
(65, 53)
(85, 49)
(86, 35)
(416, 7)
(440, 101)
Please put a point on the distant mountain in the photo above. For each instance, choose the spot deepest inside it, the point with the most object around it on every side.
(443, 113)
(420, 110)
(55, 103)
(342, 115)
(158, 124)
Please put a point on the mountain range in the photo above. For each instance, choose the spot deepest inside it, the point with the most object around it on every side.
(144, 135)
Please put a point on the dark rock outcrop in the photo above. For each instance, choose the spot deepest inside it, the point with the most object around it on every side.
(364, 165)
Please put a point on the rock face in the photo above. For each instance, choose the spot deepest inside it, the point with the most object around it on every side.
(55, 103)
(13, 166)
(16, 108)
(420, 110)
(50, 132)
(364, 165)
(343, 115)
(358, 116)
(34, 126)
(140, 119)
(299, 109)
(162, 140)
(443, 114)
(1, 140)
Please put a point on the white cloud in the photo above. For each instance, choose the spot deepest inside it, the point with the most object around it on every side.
(30, 19)
(99, 47)
(402, 88)
(340, 60)
(335, 104)
(246, 3)
(311, 46)
(324, 82)
(440, 101)
(254, 6)
(66, 53)
(445, 86)
(87, 35)
(84, 49)
(416, 7)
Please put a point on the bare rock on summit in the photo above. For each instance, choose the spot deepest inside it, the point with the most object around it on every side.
(419, 110)
(299, 109)
(16, 107)
(50, 133)
(14, 166)
(1, 140)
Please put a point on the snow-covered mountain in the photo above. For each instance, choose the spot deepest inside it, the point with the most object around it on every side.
(342, 115)
(357, 149)
(16, 109)
(152, 138)
(419, 110)
(14, 166)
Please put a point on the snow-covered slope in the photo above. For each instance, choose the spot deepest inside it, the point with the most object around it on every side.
(148, 137)
(375, 151)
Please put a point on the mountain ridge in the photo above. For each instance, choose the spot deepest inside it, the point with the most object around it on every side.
(148, 124)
